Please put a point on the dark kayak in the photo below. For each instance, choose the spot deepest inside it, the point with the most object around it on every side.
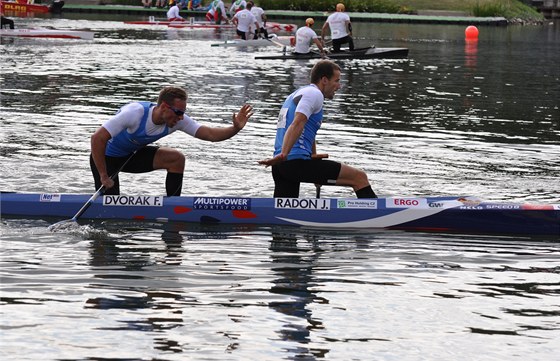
(361, 53)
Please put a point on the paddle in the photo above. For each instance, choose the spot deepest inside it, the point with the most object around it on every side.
(318, 186)
(54, 227)
(317, 191)
(275, 42)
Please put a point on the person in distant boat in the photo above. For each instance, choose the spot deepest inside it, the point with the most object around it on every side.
(173, 13)
(295, 157)
(341, 29)
(236, 6)
(305, 37)
(217, 12)
(195, 4)
(243, 20)
(261, 19)
(138, 124)
(7, 22)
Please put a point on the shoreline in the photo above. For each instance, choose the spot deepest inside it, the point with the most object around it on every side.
(423, 18)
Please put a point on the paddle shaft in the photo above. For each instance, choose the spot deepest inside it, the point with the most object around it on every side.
(99, 191)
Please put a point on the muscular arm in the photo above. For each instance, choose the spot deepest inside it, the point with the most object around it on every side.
(319, 45)
(293, 133)
(290, 138)
(349, 27)
(217, 134)
(324, 30)
(99, 141)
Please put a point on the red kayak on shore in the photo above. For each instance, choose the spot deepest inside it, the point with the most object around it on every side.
(18, 8)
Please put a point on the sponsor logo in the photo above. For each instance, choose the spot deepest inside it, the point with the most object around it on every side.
(222, 203)
(406, 203)
(302, 203)
(471, 207)
(146, 201)
(436, 204)
(20, 8)
(503, 206)
(49, 198)
(357, 203)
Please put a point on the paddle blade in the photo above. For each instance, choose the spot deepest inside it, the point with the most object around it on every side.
(68, 225)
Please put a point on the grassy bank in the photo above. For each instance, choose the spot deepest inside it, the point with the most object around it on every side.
(510, 9)
(513, 10)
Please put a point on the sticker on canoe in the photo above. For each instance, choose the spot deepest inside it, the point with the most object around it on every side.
(144, 201)
(407, 203)
(357, 203)
(48, 197)
(222, 204)
(302, 203)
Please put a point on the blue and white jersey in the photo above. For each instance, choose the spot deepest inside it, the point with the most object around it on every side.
(132, 128)
(308, 101)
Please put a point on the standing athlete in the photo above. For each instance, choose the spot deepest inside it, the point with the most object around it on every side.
(124, 140)
(299, 120)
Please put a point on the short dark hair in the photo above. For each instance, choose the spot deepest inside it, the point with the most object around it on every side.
(170, 93)
(323, 68)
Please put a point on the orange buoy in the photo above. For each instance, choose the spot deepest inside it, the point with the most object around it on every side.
(471, 32)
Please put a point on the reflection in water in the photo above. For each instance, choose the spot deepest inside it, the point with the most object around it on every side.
(294, 268)
(122, 268)
(471, 50)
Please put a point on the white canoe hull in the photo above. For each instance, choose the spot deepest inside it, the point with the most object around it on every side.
(48, 33)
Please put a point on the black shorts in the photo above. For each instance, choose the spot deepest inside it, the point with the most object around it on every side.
(289, 174)
(141, 162)
(241, 34)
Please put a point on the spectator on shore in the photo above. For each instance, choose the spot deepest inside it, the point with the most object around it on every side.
(217, 12)
(341, 29)
(147, 4)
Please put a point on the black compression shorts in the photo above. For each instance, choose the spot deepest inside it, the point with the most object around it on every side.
(141, 162)
(289, 174)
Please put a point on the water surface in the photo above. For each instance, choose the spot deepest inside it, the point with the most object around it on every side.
(474, 119)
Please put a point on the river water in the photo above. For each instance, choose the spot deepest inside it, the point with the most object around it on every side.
(455, 118)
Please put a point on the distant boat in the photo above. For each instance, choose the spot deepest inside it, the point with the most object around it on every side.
(361, 53)
(48, 33)
(273, 40)
(190, 23)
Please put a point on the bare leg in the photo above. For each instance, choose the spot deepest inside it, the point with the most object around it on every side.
(353, 177)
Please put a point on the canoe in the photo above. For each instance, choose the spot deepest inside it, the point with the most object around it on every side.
(362, 53)
(428, 214)
(271, 26)
(9, 7)
(187, 25)
(275, 40)
(154, 22)
(48, 33)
